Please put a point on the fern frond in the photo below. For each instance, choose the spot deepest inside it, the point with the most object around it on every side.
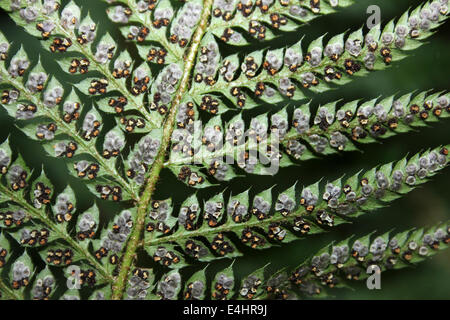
(27, 209)
(39, 111)
(5, 253)
(149, 22)
(334, 128)
(27, 217)
(352, 259)
(262, 222)
(334, 266)
(126, 109)
(259, 18)
(272, 76)
(69, 32)
(366, 122)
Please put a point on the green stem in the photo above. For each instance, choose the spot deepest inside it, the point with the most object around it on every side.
(36, 214)
(157, 166)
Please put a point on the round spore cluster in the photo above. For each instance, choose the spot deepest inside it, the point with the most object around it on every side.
(168, 288)
(142, 158)
(185, 23)
(138, 285)
(20, 275)
(115, 239)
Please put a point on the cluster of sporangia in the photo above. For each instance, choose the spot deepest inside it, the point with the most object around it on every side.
(181, 28)
(165, 257)
(159, 213)
(20, 275)
(165, 87)
(222, 287)
(138, 284)
(142, 158)
(33, 237)
(59, 257)
(3, 254)
(168, 286)
(12, 218)
(43, 288)
(194, 290)
(115, 238)
(86, 227)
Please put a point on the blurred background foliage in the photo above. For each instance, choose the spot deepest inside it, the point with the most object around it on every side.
(426, 68)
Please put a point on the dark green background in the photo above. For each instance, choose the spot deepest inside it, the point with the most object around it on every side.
(427, 68)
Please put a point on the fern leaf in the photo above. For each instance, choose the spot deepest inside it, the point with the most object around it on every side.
(195, 286)
(272, 76)
(35, 217)
(334, 266)
(262, 222)
(47, 123)
(258, 19)
(128, 105)
(255, 149)
(350, 259)
(67, 32)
